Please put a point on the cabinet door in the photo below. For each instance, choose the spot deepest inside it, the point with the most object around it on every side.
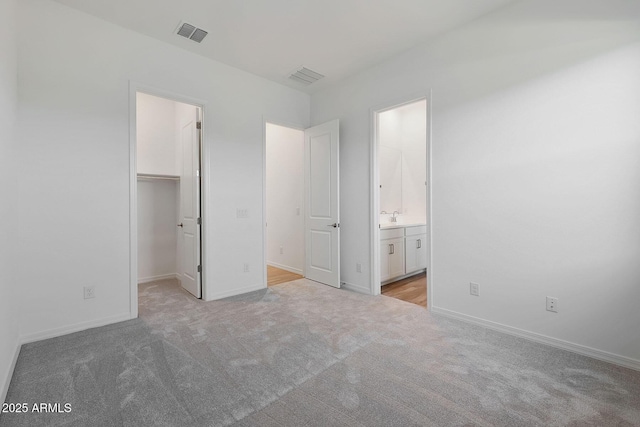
(385, 251)
(416, 251)
(412, 248)
(396, 258)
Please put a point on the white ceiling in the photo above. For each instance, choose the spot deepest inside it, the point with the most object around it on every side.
(271, 38)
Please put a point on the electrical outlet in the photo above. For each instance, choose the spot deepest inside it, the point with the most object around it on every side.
(89, 292)
(246, 267)
(552, 304)
(474, 289)
(242, 213)
(281, 250)
(358, 267)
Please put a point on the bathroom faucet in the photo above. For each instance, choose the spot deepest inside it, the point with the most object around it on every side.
(394, 218)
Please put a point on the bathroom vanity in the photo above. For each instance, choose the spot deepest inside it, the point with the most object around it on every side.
(403, 250)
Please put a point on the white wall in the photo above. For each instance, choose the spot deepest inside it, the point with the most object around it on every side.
(285, 197)
(9, 299)
(156, 130)
(74, 135)
(536, 168)
(157, 231)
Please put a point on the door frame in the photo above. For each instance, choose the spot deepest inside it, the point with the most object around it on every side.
(287, 124)
(375, 194)
(134, 88)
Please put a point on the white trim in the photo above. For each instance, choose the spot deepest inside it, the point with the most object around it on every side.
(133, 203)
(375, 194)
(283, 123)
(355, 288)
(12, 367)
(430, 286)
(154, 278)
(583, 350)
(239, 291)
(134, 88)
(77, 327)
(374, 221)
(285, 267)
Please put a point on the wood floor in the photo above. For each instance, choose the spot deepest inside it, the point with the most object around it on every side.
(275, 276)
(412, 289)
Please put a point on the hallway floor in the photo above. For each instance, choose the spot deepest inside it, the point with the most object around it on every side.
(276, 276)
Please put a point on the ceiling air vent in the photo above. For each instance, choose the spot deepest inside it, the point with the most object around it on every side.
(305, 76)
(191, 32)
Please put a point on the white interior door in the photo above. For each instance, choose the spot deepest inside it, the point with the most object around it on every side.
(190, 208)
(322, 204)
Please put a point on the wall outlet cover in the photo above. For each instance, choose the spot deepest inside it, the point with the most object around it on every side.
(89, 292)
(474, 289)
(552, 304)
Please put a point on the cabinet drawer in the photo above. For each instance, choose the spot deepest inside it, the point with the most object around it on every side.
(415, 230)
(391, 233)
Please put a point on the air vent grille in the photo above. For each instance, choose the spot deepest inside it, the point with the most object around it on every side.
(198, 35)
(191, 32)
(305, 76)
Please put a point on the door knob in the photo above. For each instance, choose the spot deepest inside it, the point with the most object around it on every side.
(334, 225)
(180, 225)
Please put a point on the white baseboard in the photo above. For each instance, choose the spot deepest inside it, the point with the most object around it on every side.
(605, 356)
(234, 292)
(355, 288)
(154, 278)
(81, 326)
(285, 267)
(7, 378)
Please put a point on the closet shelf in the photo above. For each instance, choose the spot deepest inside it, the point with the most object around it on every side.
(151, 176)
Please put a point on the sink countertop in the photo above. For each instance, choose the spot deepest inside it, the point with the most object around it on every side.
(388, 225)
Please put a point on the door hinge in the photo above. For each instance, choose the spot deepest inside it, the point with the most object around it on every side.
(199, 269)
(199, 220)
(198, 125)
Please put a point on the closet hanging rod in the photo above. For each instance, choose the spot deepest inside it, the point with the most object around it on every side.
(158, 176)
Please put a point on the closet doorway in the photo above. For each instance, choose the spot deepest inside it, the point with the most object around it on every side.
(401, 207)
(168, 144)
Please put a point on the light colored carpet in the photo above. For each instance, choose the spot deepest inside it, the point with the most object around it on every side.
(303, 354)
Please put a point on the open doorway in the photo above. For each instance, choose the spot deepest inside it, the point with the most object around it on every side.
(302, 203)
(168, 168)
(284, 197)
(401, 202)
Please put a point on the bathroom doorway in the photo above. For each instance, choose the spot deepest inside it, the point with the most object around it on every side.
(401, 202)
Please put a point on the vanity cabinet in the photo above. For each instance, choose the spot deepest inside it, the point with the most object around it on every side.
(391, 253)
(403, 251)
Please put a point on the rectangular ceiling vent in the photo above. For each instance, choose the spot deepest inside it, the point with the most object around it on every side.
(191, 32)
(305, 76)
